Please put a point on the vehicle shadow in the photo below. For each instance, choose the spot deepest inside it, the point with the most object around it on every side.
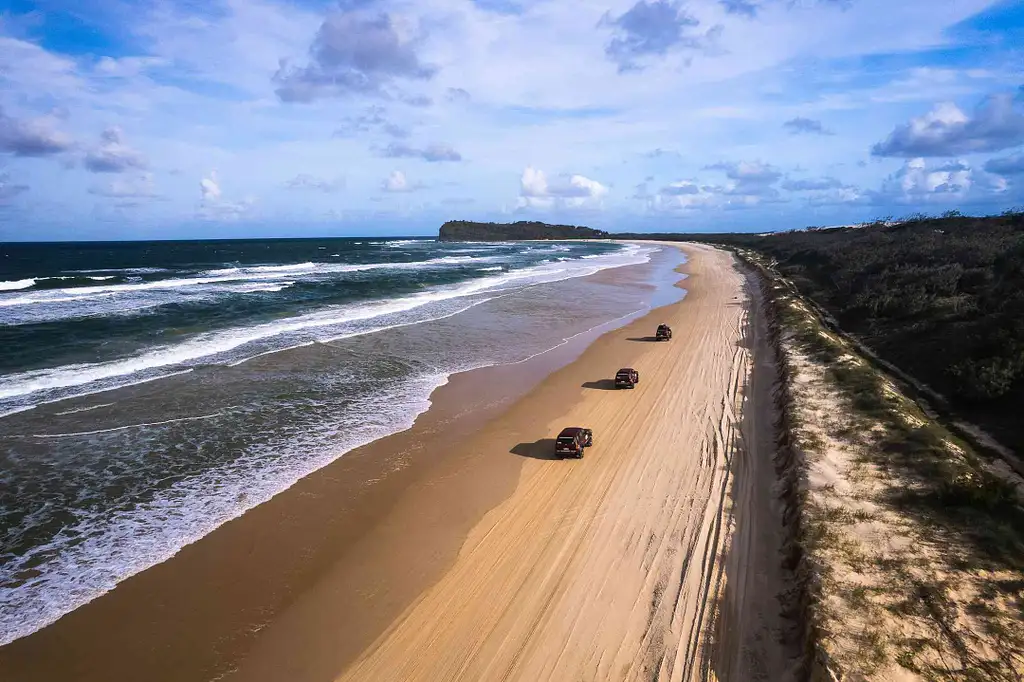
(642, 338)
(540, 449)
(600, 384)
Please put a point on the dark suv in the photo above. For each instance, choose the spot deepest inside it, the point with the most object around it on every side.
(664, 333)
(627, 377)
(572, 440)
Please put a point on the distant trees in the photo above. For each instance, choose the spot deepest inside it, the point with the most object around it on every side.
(940, 297)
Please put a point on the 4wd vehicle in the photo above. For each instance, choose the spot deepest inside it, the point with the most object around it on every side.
(572, 440)
(664, 333)
(627, 377)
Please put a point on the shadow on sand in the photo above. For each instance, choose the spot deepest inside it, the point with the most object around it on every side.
(600, 384)
(643, 338)
(540, 449)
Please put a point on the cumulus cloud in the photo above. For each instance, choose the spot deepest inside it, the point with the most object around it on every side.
(811, 185)
(433, 153)
(112, 155)
(997, 123)
(214, 206)
(311, 182)
(210, 188)
(9, 189)
(652, 28)
(397, 182)
(573, 191)
(140, 186)
(805, 125)
(749, 183)
(354, 52)
(1007, 165)
(919, 182)
(916, 179)
(32, 137)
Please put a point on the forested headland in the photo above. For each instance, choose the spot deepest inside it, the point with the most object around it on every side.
(465, 230)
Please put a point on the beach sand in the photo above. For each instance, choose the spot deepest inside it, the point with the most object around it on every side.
(462, 550)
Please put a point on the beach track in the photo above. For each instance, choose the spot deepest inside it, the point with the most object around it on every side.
(610, 567)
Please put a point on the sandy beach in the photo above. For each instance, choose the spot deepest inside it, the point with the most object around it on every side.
(474, 554)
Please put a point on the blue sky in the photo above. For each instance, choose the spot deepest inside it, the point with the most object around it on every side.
(123, 120)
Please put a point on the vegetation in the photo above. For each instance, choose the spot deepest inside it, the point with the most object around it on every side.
(464, 230)
(913, 540)
(941, 298)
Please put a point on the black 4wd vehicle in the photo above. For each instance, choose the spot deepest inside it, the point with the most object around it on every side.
(627, 377)
(572, 440)
(664, 333)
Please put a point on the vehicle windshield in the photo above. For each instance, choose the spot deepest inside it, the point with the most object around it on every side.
(565, 439)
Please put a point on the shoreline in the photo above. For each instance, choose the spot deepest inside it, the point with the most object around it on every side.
(608, 568)
(103, 639)
(203, 407)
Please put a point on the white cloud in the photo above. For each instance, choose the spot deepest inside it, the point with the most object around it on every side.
(397, 182)
(997, 124)
(210, 188)
(685, 194)
(918, 182)
(915, 178)
(572, 191)
(214, 206)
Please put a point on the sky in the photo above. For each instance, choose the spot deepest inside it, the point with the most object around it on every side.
(232, 118)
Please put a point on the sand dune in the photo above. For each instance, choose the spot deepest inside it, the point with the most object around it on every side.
(607, 568)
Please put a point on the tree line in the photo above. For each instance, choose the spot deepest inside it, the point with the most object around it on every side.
(940, 297)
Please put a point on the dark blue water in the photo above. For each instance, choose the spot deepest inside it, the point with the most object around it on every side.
(151, 391)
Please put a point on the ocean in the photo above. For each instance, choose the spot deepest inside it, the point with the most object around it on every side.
(151, 391)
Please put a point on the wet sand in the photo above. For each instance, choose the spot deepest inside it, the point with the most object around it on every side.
(460, 549)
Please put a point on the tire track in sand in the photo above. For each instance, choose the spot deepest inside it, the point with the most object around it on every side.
(609, 568)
